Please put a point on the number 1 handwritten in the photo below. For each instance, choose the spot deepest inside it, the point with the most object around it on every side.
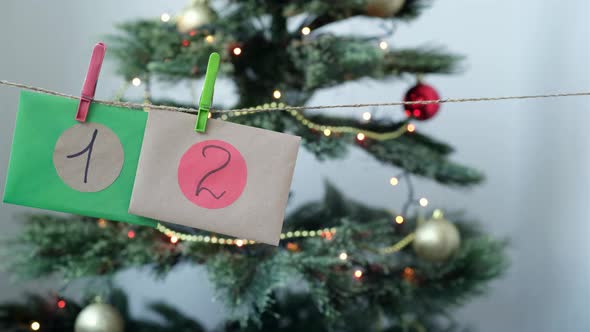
(88, 149)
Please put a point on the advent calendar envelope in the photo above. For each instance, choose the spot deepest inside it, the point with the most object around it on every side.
(57, 163)
(232, 179)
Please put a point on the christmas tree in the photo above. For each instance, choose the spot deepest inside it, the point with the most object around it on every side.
(341, 265)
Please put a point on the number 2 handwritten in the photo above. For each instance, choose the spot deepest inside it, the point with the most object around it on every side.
(212, 174)
(200, 186)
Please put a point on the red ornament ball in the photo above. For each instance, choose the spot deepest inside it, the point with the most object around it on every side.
(421, 92)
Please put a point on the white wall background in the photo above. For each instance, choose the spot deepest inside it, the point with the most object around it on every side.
(535, 153)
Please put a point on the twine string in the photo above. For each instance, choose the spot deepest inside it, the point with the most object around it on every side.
(297, 108)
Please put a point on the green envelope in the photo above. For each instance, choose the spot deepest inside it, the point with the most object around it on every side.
(32, 178)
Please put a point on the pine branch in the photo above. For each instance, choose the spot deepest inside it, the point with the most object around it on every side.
(329, 60)
(332, 11)
(249, 277)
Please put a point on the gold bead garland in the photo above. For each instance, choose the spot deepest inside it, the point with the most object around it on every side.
(399, 245)
(325, 232)
(327, 130)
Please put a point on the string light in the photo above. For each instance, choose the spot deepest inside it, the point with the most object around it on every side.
(383, 45)
(61, 304)
(305, 31)
(173, 239)
(393, 181)
(209, 39)
(292, 246)
(409, 274)
(35, 326)
(437, 214)
(237, 50)
(327, 132)
(328, 236)
(186, 42)
(366, 116)
(360, 137)
(239, 243)
(276, 94)
(423, 202)
(411, 128)
(136, 81)
(131, 234)
(192, 33)
(399, 220)
(102, 223)
(343, 256)
(358, 274)
(165, 17)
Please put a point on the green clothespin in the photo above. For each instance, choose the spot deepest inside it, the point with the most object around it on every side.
(207, 94)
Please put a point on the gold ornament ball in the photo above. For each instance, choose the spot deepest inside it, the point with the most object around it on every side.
(384, 8)
(192, 17)
(99, 317)
(436, 240)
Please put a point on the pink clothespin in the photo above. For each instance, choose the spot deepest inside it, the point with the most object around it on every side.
(90, 82)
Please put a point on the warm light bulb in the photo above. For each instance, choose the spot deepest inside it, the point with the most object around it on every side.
(393, 181)
(165, 17)
(276, 94)
(343, 256)
(367, 116)
(437, 214)
(327, 132)
(102, 223)
(423, 202)
(411, 128)
(237, 50)
(35, 326)
(136, 81)
(239, 243)
(383, 45)
(209, 115)
(305, 31)
(209, 39)
(360, 137)
(173, 239)
(190, 18)
(358, 274)
(399, 220)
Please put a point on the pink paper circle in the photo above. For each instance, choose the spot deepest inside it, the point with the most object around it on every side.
(212, 174)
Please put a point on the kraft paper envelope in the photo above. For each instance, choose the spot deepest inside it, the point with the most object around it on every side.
(57, 163)
(232, 179)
